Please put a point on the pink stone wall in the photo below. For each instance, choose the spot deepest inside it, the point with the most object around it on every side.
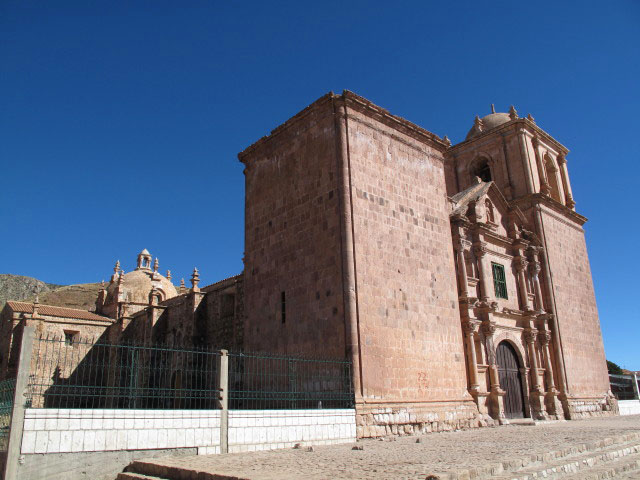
(292, 238)
(410, 333)
(581, 337)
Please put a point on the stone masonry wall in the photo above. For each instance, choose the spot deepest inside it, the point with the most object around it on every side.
(292, 238)
(410, 331)
(579, 326)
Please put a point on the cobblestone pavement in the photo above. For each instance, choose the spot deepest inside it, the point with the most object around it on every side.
(405, 458)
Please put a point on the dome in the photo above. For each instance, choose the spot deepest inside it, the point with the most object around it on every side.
(137, 285)
(487, 123)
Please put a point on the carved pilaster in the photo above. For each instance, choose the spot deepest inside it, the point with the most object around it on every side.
(480, 251)
(530, 336)
(564, 176)
(545, 189)
(521, 267)
(470, 328)
(462, 269)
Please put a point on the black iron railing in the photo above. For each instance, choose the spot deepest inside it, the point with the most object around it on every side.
(7, 392)
(86, 374)
(269, 381)
(622, 386)
(82, 373)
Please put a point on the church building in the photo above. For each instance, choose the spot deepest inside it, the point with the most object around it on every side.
(454, 277)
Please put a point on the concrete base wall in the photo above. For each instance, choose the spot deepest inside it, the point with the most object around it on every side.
(629, 407)
(75, 444)
(86, 465)
(251, 430)
(51, 430)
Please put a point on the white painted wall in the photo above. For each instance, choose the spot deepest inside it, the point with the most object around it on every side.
(251, 430)
(629, 407)
(52, 430)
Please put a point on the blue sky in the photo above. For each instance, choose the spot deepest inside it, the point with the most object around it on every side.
(121, 121)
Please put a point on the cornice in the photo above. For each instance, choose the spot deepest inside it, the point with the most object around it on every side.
(398, 123)
(297, 118)
(533, 199)
(518, 123)
(360, 104)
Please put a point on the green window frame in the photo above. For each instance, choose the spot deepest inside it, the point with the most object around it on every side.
(499, 280)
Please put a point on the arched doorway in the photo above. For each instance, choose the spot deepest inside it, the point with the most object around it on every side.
(510, 380)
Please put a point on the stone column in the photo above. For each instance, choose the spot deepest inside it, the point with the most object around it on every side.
(534, 269)
(462, 270)
(536, 396)
(470, 329)
(551, 397)
(564, 175)
(544, 338)
(524, 153)
(544, 182)
(521, 267)
(480, 251)
(530, 338)
(496, 396)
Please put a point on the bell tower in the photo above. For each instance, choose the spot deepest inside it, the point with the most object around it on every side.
(529, 166)
(144, 260)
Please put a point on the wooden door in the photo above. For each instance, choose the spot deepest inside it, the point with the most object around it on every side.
(510, 380)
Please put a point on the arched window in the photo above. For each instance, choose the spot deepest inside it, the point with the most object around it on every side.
(482, 170)
(489, 208)
(552, 177)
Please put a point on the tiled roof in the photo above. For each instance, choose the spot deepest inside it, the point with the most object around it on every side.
(213, 286)
(52, 311)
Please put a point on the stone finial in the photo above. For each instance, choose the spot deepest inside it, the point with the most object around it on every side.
(182, 287)
(447, 141)
(169, 275)
(530, 118)
(156, 264)
(493, 108)
(120, 277)
(36, 305)
(477, 122)
(116, 271)
(195, 279)
(513, 113)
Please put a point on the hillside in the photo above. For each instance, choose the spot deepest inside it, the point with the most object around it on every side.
(18, 287)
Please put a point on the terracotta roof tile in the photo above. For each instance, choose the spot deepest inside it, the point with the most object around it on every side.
(52, 311)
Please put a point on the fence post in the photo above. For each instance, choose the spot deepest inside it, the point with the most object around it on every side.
(223, 399)
(634, 379)
(19, 401)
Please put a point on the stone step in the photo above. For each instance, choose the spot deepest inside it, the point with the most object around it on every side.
(135, 476)
(580, 465)
(515, 465)
(624, 468)
(155, 471)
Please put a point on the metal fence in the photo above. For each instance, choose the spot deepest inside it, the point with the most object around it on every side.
(263, 381)
(81, 373)
(7, 392)
(622, 386)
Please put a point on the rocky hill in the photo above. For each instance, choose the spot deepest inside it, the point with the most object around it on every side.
(18, 287)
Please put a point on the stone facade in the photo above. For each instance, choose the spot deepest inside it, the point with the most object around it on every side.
(454, 277)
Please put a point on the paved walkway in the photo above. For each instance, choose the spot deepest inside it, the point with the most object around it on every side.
(404, 458)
